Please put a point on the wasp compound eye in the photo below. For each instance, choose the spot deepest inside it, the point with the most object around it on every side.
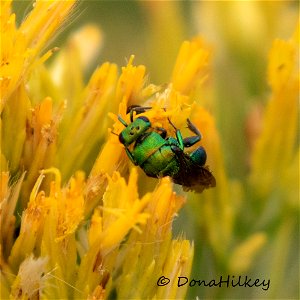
(121, 138)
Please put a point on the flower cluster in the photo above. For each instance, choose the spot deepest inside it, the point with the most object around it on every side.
(85, 234)
(78, 220)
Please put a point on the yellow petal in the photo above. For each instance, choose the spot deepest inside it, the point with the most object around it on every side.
(243, 255)
(276, 148)
(131, 82)
(191, 65)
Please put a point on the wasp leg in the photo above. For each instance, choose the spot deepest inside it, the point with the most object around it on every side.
(193, 128)
(173, 142)
(132, 107)
(163, 132)
(176, 149)
(137, 109)
(190, 141)
(129, 154)
(198, 156)
(178, 135)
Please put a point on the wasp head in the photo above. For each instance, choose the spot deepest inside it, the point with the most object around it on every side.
(134, 130)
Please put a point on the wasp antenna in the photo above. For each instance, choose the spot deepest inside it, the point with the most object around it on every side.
(172, 124)
(114, 133)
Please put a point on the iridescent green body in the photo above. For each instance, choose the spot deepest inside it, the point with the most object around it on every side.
(159, 155)
(155, 156)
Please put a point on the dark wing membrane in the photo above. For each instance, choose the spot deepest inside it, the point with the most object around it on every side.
(191, 176)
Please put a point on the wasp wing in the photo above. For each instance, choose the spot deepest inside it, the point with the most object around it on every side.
(191, 176)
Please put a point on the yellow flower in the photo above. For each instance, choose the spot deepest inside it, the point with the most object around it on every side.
(191, 65)
(21, 46)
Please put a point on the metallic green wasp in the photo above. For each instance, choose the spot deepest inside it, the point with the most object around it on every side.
(160, 155)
